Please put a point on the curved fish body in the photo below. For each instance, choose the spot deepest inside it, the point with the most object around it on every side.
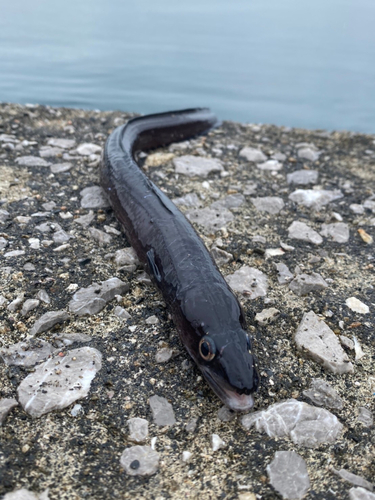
(205, 311)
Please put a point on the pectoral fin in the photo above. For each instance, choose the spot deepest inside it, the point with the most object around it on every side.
(153, 268)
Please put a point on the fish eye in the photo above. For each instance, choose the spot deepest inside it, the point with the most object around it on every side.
(207, 348)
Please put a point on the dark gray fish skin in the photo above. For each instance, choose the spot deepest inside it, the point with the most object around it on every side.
(200, 301)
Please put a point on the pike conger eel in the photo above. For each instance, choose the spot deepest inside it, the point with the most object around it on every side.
(207, 315)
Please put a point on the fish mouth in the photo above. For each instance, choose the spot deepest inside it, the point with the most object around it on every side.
(232, 399)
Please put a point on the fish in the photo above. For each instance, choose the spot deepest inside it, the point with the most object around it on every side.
(207, 315)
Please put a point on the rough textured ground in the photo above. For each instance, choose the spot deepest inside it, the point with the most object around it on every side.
(79, 457)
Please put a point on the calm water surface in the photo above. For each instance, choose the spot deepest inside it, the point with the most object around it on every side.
(306, 64)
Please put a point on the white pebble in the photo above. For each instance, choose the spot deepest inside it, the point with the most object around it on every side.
(358, 349)
(216, 442)
(357, 306)
(76, 410)
(186, 455)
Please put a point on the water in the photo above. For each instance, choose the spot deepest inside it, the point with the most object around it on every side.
(304, 64)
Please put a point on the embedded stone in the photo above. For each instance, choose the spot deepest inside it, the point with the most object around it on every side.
(319, 342)
(288, 475)
(93, 197)
(221, 256)
(4, 215)
(34, 243)
(49, 151)
(322, 393)
(303, 284)
(358, 349)
(152, 320)
(100, 236)
(370, 204)
(269, 204)
(32, 161)
(60, 381)
(314, 198)
(126, 257)
(284, 275)
(308, 154)
(273, 252)
(225, 414)
(250, 188)
(191, 425)
(216, 442)
(112, 230)
(140, 461)
(357, 306)
(6, 406)
(347, 342)
(365, 417)
(248, 281)
(252, 154)
(8, 138)
(212, 220)
(303, 177)
(87, 149)
(272, 165)
(301, 231)
(230, 201)
(48, 205)
(59, 168)
(189, 200)
(353, 478)
(267, 316)
(247, 496)
(27, 353)
(45, 227)
(163, 355)
(257, 238)
(93, 299)
(85, 220)
(70, 338)
(338, 231)
(162, 411)
(360, 494)
(43, 296)
(196, 165)
(29, 266)
(47, 321)
(22, 220)
(3, 243)
(24, 494)
(29, 305)
(279, 156)
(186, 456)
(60, 236)
(61, 143)
(77, 410)
(121, 313)
(16, 303)
(357, 209)
(14, 253)
(306, 425)
(138, 429)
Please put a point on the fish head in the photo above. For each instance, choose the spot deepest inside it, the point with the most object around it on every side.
(229, 367)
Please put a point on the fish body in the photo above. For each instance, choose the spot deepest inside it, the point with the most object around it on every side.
(207, 315)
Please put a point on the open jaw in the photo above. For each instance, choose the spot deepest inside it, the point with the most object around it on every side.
(231, 398)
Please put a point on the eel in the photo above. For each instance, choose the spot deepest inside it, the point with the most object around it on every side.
(207, 315)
